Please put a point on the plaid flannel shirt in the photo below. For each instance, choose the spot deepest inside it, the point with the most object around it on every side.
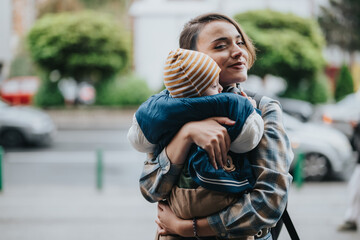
(253, 211)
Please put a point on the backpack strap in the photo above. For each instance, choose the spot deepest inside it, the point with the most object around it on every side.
(289, 225)
(285, 219)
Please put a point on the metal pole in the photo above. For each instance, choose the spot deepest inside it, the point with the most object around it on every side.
(99, 169)
(298, 178)
(1, 177)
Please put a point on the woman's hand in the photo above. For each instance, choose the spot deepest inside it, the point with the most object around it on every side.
(167, 221)
(210, 135)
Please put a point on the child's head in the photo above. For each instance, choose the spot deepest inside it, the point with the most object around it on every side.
(190, 73)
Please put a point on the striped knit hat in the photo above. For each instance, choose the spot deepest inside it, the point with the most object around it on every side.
(189, 73)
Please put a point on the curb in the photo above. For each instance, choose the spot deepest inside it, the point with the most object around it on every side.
(82, 119)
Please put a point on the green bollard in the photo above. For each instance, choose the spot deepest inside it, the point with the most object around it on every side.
(1, 177)
(99, 169)
(298, 173)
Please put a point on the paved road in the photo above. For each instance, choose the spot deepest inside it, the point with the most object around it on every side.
(51, 194)
(59, 200)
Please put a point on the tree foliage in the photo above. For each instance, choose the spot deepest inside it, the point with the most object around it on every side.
(48, 94)
(340, 22)
(88, 45)
(344, 83)
(128, 90)
(319, 90)
(288, 46)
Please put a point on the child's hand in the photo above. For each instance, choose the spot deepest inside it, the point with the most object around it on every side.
(252, 101)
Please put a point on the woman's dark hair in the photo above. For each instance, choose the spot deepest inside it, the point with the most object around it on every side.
(191, 30)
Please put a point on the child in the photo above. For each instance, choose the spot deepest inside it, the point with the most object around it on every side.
(189, 75)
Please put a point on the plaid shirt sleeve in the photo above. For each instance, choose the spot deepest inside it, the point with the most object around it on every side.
(264, 205)
(158, 177)
(260, 208)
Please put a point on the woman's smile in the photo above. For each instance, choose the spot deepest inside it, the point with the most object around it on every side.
(238, 65)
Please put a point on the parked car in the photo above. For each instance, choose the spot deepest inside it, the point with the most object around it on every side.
(299, 109)
(326, 151)
(343, 115)
(21, 125)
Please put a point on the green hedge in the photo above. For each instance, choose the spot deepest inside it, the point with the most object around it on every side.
(287, 45)
(344, 83)
(86, 45)
(48, 95)
(128, 90)
(319, 90)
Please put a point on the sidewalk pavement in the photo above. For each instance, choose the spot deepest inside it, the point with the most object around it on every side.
(317, 209)
(74, 213)
(91, 118)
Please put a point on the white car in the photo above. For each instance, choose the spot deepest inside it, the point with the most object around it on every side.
(299, 109)
(326, 151)
(343, 115)
(21, 125)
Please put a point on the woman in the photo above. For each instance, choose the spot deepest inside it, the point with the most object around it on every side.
(253, 214)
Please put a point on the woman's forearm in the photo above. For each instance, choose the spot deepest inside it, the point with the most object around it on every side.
(203, 229)
(160, 173)
(158, 177)
(179, 146)
(169, 223)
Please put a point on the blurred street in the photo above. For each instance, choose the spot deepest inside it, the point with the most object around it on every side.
(50, 193)
(72, 73)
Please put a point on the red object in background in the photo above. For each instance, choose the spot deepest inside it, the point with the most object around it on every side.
(332, 73)
(19, 90)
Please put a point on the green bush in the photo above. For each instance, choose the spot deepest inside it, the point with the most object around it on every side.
(48, 94)
(344, 83)
(128, 90)
(315, 91)
(288, 46)
(319, 90)
(86, 45)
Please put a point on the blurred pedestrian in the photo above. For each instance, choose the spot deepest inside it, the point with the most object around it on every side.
(352, 214)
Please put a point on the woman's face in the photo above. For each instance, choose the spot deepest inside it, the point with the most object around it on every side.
(223, 43)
